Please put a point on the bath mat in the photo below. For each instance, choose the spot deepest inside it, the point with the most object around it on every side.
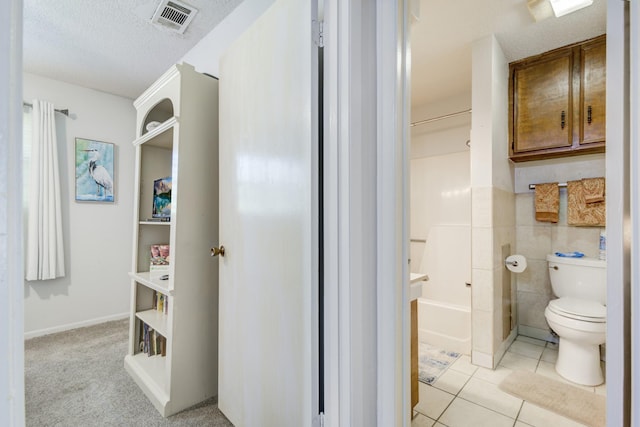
(432, 362)
(564, 399)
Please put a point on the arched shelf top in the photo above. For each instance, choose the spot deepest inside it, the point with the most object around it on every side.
(161, 112)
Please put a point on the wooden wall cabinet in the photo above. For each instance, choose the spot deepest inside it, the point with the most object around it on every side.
(557, 102)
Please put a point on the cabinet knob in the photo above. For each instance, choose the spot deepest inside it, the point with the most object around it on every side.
(217, 251)
(589, 118)
(563, 116)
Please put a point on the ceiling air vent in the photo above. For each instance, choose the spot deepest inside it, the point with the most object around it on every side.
(174, 15)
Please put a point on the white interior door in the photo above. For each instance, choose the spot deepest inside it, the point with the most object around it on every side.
(268, 221)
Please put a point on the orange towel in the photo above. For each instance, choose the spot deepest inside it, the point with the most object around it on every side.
(579, 212)
(593, 190)
(547, 202)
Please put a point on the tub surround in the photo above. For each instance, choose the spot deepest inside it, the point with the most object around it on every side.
(441, 214)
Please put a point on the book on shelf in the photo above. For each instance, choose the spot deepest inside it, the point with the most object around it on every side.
(151, 342)
(160, 258)
(161, 198)
(160, 302)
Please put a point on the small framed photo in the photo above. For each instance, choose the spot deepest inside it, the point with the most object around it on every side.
(94, 171)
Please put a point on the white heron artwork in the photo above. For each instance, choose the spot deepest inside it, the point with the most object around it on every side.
(94, 170)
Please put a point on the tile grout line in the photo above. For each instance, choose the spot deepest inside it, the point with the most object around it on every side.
(518, 414)
(457, 394)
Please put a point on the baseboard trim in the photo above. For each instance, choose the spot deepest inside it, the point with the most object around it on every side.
(497, 357)
(69, 326)
(531, 332)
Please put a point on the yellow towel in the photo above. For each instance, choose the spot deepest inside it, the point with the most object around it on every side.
(579, 212)
(547, 202)
(593, 190)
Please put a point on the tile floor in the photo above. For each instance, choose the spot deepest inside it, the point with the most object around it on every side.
(468, 396)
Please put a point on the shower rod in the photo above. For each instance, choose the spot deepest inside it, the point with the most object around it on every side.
(435, 119)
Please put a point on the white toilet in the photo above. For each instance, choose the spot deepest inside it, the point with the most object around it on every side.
(578, 316)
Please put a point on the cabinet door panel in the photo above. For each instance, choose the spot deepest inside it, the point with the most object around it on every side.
(542, 110)
(593, 95)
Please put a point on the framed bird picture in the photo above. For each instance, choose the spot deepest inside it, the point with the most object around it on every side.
(94, 171)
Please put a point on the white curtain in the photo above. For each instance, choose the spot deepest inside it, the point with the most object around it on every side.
(45, 252)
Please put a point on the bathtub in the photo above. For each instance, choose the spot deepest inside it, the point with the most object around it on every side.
(444, 308)
(444, 325)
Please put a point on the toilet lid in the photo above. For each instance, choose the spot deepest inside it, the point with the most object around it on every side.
(579, 309)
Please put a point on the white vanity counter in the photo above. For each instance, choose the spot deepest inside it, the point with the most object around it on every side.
(415, 285)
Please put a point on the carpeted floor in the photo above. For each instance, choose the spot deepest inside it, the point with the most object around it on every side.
(77, 378)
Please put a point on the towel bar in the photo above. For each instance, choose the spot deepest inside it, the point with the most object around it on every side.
(533, 186)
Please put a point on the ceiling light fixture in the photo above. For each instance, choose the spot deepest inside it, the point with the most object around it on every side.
(540, 9)
(563, 7)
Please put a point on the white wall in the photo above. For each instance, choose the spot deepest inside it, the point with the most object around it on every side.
(557, 170)
(444, 136)
(205, 56)
(98, 239)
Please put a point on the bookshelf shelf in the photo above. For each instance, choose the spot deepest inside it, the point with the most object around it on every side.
(156, 319)
(162, 223)
(160, 136)
(145, 278)
(183, 147)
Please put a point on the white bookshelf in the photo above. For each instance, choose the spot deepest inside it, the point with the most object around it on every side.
(156, 319)
(153, 282)
(184, 147)
(150, 373)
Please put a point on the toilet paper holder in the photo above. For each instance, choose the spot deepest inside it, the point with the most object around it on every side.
(515, 263)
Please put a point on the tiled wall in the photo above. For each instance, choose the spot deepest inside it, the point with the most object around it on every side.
(535, 240)
(493, 220)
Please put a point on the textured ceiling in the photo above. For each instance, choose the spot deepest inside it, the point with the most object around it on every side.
(109, 45)
(441, 40)
(112, 46)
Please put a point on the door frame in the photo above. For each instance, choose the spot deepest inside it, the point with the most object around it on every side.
(391, 330)
(12, 272)
(365, 213)
(634, 140)
(623, 236)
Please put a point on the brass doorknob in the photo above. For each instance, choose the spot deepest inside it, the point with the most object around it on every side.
(217, 251)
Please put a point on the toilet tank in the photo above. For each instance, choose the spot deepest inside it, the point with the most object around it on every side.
(584, 278)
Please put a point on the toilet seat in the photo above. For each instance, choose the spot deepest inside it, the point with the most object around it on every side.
(579, 309)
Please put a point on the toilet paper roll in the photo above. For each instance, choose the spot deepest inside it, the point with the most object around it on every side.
(516, 263)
